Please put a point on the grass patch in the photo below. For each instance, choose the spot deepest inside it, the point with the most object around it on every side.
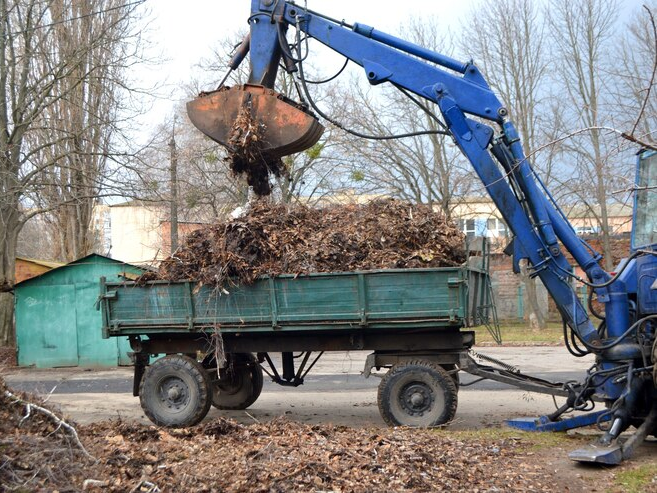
(520, 333)
(636, 480)
(527, 440)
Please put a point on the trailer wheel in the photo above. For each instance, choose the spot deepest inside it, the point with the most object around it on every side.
(240, 383)
(175, 392)
(453, 372)
(417, 393)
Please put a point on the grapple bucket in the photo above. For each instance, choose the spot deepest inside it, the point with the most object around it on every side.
(286, 127)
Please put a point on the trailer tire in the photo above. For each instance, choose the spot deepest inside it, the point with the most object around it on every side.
(417, 393)
(242, 384)
(453, 372)
(175, 392)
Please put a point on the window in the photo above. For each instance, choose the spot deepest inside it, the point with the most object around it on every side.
(496, 228)
(468, 226)
(645, 223)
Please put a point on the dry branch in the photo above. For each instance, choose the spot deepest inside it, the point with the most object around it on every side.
(652, 79)
(29, 407)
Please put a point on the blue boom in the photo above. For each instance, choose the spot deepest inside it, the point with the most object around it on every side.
(623, 375)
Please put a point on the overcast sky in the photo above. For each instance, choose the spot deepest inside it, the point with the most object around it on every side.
(187, 33)
(184, 32)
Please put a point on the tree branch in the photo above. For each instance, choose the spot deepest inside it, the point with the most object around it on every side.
(652, 79)
(29, 407)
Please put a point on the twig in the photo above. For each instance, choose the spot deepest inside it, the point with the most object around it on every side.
(219, 352)
(624, 135)
(262, 450)
(252, 417)
(642, 143)
(652, 77)
(58, 421)
(633, 189)
(152, 487)
(291, 475)
(93, 483)
(28, 413)
(50, 393)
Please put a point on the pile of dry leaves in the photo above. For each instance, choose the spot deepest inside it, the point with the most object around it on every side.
(35, 453)
(276, 239)
(222, 455)
(7, 356)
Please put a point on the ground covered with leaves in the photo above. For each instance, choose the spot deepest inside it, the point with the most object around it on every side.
(276, 239)
(222, 455)
(7, 356)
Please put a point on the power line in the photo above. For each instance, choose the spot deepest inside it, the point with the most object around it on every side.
(90, 14)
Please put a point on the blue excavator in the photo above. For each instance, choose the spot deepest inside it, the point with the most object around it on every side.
(623, 379)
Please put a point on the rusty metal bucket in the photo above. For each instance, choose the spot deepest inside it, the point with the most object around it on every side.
(287, 128)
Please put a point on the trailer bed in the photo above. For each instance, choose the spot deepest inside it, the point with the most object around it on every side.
(217, 342)
(379, 299)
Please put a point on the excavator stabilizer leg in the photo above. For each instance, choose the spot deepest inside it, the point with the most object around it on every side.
(285, 127)
(615, 452)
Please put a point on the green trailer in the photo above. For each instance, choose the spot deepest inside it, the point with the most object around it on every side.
(216, 342)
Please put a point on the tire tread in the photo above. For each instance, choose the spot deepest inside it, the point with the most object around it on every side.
(446, 381)
(199, 374)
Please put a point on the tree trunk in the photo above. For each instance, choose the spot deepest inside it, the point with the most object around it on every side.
(535, 315)
(9, 228)
(174, 193)
(601, 197)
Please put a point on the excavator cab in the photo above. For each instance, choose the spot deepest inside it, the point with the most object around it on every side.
(644, 234)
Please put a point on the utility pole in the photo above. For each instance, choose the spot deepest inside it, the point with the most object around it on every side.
(174, 188)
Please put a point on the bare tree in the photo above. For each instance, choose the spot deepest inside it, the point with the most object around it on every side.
(636, 95)
(514, 60)
(38, 71)
(424, 169)
(206, 189)
(34, 240)
(582, 38)
(75, 132)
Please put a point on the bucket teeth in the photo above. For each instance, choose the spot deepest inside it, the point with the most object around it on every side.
(287, 128)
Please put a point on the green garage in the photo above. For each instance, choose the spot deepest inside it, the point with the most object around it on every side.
(57, 323)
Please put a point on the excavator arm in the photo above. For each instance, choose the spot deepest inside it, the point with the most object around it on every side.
(479, 124)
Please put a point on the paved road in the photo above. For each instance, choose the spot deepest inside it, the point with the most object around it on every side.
(333, 392)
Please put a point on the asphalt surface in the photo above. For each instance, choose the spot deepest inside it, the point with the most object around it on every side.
(334, 391)
(321, 383)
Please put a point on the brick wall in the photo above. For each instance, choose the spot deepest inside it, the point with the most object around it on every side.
(509, 292)
(506, 284)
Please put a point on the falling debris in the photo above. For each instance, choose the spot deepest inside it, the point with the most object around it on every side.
(279, 239)
(246, 156)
